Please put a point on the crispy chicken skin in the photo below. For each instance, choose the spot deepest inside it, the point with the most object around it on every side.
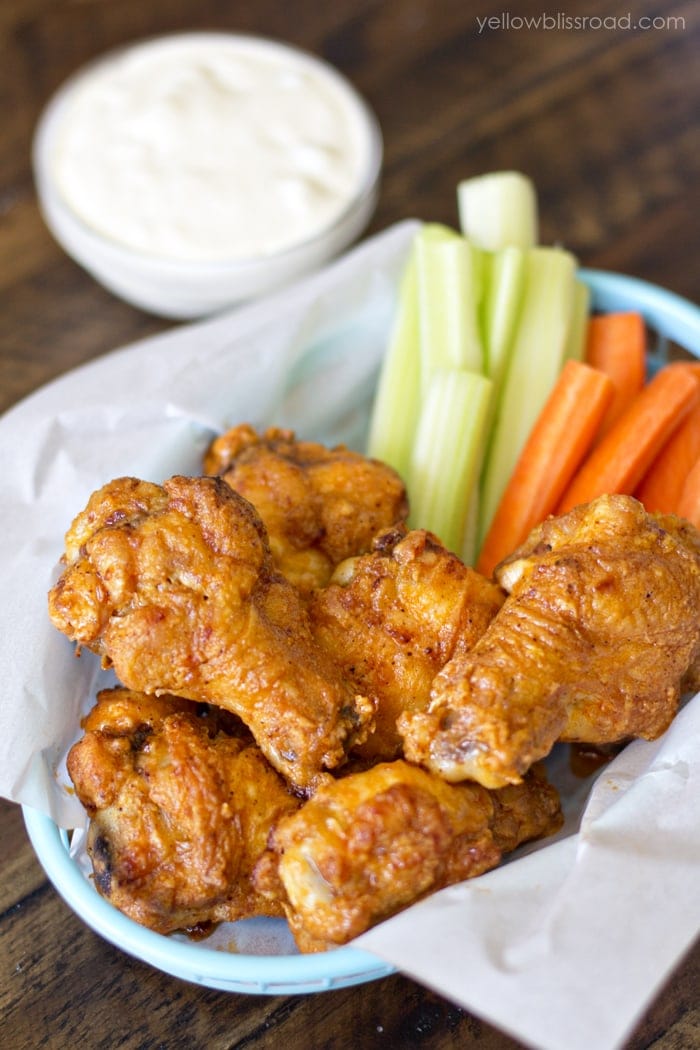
(174, 586)
(369, 844)
(600, 627)
(319, 505)
(180, 810)
(392, 618)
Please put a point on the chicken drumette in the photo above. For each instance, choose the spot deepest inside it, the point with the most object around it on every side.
(392, 618)
(319, 505)
(180, 810)
(599, 629)
(374, 842)
(174, 586)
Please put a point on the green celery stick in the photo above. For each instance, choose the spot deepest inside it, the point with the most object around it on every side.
(581, 310)
(535, 361)
(397, 399)
(498, 210)
(448, 453)
(449, 284)
(503, 288)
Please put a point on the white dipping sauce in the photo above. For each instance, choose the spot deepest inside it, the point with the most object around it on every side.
(211, 147)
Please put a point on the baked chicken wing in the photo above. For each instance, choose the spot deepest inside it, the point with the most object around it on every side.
(392, 618)
(180, 810)
(319, 505)
(174, 586)
(600, 627)
(371, 843)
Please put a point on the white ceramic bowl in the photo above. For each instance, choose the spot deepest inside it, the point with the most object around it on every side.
(181, 289)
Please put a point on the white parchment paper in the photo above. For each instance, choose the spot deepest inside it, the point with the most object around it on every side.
(564, 946)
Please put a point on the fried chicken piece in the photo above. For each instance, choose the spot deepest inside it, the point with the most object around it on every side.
(319, 505)
(180, 811)
(600, 627)
(174, 586)
(689, 535)
(391, 619)
(369, 844)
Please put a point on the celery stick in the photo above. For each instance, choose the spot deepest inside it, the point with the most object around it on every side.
(436, 233)
(576, 340)
(498, 209)
(448, 292)
(535, 361)
(448, 453)
(397, 398)
(505, 272)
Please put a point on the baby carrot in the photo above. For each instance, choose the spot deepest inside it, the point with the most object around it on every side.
(689, 500)
(558, 442)
(661, 486)
(616, 344)
(691, 366)
(622, 457)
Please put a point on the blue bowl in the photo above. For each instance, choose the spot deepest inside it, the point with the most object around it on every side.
(667, 315)
(193, 960)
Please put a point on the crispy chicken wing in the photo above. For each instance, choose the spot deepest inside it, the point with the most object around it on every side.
(319, 505)
(180, 810)
(369, 844)
(174, 585)
(601, 624)
(393, 617)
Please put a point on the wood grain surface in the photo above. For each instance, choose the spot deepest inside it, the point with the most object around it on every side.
(605, 120)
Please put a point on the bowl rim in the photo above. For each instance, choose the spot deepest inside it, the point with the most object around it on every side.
(670, 315)
(256, 974)
(51, 199)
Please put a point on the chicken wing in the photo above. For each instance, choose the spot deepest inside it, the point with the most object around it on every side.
(174, 586)
(601, 624)
(392, 618)
(319, 505)
(180, 811)
(369, 844)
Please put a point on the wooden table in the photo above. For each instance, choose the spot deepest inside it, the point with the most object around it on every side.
(604, 118)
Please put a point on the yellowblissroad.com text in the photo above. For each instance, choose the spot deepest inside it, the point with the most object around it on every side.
(562, 21)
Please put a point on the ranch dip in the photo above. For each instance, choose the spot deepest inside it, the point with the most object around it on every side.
(211, 147)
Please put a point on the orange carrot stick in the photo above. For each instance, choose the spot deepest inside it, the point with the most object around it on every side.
(621, 459)
(661, 486)
(558, 442)
(689, 501)
(616, 344)
(692, 366)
